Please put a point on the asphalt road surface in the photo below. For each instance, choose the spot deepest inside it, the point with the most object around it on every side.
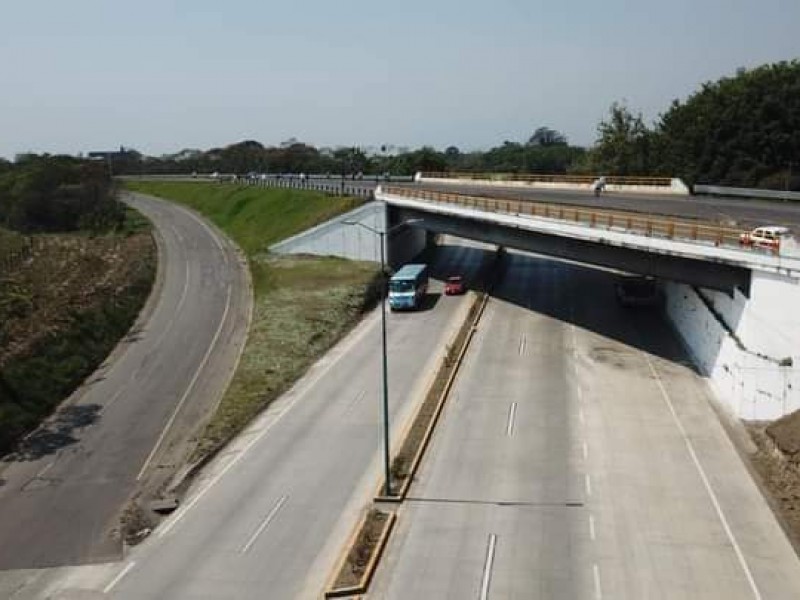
(579, 457)
(744, 213)
(734, 212)
(270, 516)
(62, 494)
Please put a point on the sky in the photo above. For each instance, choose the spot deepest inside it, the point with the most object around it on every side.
(163, 75)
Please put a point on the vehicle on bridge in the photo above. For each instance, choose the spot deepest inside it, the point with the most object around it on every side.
(770, 238)
(407, 287)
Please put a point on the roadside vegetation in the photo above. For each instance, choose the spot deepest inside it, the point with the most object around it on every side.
(302, 304)
(73, 278)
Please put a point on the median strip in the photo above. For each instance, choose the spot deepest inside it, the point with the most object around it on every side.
(360, 558)
(356, 567)
(415, 441)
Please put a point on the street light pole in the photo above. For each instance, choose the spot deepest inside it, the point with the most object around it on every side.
(386, 467)
(382, 234)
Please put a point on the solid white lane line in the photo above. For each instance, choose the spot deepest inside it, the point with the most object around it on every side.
(119, 577)
(182, 401)
(512, 413)
(264, 524)
(706, 483)
(598, 589)
(591, 528)
(487, 567)
(45, 469)
(184, 510)
(585, 451)
(177, 311)
(588, 480)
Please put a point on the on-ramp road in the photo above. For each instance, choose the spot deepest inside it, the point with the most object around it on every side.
(61, 499)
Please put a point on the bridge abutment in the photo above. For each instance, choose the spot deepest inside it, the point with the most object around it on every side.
(748, 348)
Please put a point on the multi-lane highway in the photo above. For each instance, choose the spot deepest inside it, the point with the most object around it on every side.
(737, 212)
(269, 517)
(61, 498)
(734, 212)
(579, 457)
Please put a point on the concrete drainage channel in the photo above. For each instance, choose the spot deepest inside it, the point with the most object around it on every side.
(359, 559)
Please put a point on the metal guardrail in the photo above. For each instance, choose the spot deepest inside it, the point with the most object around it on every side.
(542, 178)
(717, 190)
(597, 218)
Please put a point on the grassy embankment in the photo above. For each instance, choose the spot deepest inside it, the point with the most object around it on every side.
(302, 304)
(62, 310)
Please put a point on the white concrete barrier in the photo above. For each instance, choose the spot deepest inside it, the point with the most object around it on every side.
(676, 187)
(716, 190)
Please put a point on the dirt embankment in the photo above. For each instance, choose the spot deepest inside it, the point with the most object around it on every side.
(777, 461)
(63, 308)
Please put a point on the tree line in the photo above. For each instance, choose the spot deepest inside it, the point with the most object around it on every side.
(742, 130)
(546, 150)
(42, 193)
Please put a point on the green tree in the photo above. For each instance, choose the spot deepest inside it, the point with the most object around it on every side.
(623, 145)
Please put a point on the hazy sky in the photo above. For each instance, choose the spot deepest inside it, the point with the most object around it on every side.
(161, 75)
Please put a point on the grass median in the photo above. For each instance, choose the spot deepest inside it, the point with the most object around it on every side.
(302, 305)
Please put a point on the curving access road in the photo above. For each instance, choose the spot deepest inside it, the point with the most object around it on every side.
(62, 495)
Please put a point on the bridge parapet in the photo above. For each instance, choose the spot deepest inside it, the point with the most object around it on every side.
(617, 183)
(534, 223)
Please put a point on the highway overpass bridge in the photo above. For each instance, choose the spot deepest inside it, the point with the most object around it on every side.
(733, 307)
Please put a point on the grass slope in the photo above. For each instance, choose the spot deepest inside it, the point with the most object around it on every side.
(302, 304)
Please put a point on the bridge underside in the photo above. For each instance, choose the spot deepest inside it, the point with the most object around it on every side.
(717, 276)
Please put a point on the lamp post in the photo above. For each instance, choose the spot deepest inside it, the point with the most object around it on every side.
(382, 234)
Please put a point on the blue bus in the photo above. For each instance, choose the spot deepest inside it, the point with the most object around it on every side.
(407, 287)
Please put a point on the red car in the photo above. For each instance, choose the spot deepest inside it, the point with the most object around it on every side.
(454, 285)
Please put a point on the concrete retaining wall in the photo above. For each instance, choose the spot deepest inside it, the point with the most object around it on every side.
(334, 238)
(739, 344)
(337, 238)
